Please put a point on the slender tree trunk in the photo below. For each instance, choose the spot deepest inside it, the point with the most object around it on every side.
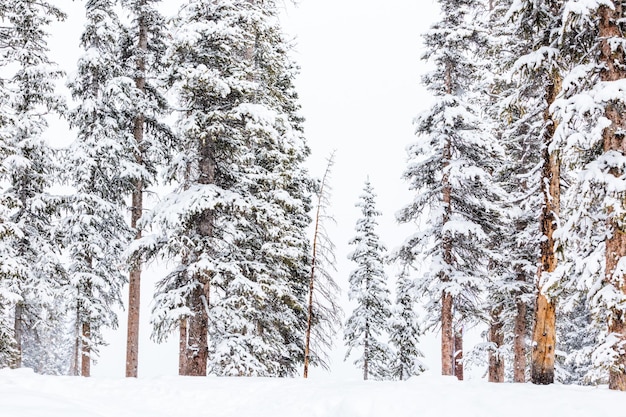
(544, 333)
(613, 59)
(85, 363)
(134, 287)
(182, 346)
(458, 353)
(496, 336)
(366, 352)
(519, 343)
(18, 329)
(310, 309)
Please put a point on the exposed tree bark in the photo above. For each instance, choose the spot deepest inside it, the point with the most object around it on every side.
(613, 59)
(519, 343)
(85, 363)
(458, 353)
(544, 333)
(182, 346)
(18, 329)
(496, 336)
(366, 352)
(134, 287)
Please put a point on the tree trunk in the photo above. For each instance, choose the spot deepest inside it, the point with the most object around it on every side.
(519, 343)
(458, 354)
(182, 346)
(447, 339)
(85, 363)
(496, 336)
(612, 58)
(19, 332)
(366, 353)
(544, 333)
(134, 287)
(197, 348)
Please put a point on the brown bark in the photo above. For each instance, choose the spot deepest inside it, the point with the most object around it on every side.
(85, 363)
(544, 333)
(458, 354)
(519, 343)
(613, 138)
(447, 339)
(134, 284)
(496, 336)
(197, 348)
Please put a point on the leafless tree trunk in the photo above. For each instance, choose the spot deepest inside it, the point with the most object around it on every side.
(314, 262)
(134, 287)
(613, 60)
(544, 333)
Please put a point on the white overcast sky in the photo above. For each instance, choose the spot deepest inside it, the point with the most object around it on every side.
(359, 89)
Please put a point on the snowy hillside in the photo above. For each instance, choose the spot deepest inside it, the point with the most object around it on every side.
(24, 394)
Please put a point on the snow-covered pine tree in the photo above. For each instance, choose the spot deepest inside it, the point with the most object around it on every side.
(366, 328)
(404, 331)
(31, 272)
(450, 169)
(142, 47)
(100, 167)
(592, 117)
(236, 223)
(541, 66)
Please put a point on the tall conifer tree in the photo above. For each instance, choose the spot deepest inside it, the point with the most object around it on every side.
(450, 170)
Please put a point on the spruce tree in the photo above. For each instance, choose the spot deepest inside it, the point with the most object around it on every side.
(142, 46)
(236, 223)
(404, 331)
(99, 166)
(450, 170)
(366, 328)
(32, 274)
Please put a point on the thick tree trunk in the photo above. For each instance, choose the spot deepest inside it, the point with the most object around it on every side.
(458, 354)
(519, 343)
(197, 348)
(447, 336)
(134, 288)
(496, 336)
(544, 333)
(613, 60)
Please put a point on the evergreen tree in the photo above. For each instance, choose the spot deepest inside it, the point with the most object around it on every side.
(100, 167)
(367, 325)
(236, 223)
(450, 169)
(143, 44)
(31, 272)
(404, 331)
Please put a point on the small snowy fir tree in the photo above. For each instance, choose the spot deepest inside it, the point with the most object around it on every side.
(404, 331)
(366, 328)
(31, 274)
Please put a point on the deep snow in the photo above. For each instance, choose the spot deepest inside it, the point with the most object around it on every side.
(25, 394)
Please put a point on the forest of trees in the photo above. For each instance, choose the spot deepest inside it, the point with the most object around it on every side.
(517, 174)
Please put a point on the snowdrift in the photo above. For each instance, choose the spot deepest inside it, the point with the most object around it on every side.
(25, 394)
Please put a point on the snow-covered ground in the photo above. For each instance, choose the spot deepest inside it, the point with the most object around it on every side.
(24, 394)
